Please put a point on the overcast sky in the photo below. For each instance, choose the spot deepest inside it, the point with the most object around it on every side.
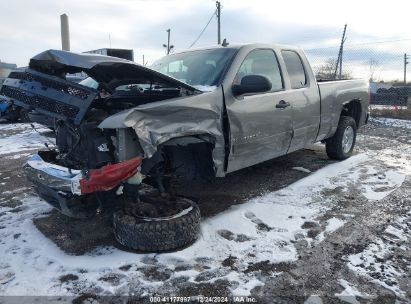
(28, 27)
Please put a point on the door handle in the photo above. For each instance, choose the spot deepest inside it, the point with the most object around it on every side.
(282, 104)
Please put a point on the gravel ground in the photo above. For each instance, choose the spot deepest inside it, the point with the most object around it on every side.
(352, 244)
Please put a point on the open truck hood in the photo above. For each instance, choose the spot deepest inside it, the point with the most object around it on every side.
(42, 86)
(105, 69)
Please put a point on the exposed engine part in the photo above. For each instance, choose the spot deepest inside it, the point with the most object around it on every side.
(127, 144)
(84, 146)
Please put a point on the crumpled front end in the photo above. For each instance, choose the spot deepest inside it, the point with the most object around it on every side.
(117, 132)
(199, 116)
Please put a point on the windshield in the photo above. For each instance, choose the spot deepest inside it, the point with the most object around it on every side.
(202, 69)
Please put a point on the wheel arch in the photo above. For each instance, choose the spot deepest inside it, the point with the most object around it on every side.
(190, 156)
(352, 108)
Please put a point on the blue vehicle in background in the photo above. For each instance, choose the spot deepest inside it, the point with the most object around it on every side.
(3, 106)
(9, 111)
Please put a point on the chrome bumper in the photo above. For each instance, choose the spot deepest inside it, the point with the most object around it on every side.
(53, 176)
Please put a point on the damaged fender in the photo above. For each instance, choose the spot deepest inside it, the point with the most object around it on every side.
(160, 122)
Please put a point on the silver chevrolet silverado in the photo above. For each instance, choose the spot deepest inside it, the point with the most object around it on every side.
(125, 133)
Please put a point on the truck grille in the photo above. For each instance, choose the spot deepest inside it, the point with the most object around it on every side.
(48, 94)
(74, 91)
(40, 102)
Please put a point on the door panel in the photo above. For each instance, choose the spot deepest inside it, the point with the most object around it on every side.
(305, 100)
(259, 130)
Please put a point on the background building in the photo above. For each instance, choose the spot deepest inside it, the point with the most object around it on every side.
(120, 53)
(5, 69)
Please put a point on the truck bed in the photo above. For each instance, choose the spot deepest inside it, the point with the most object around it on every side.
(336, 93)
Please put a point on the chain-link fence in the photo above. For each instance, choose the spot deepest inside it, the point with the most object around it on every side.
(377, 61)
(380, 62)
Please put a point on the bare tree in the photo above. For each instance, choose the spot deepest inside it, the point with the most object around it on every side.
(373, 66)
(326, 71)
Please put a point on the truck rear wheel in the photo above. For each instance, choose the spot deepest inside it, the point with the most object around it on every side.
(341, 145)
(136, 227)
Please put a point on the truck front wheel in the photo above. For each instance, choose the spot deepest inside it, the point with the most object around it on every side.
(341, 145)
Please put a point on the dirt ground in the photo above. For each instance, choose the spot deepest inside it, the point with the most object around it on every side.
(324, 266)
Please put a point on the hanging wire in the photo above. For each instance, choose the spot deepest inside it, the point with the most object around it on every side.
(201, 33)
(358, 44)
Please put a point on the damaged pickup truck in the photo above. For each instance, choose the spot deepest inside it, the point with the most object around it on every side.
(126, 132)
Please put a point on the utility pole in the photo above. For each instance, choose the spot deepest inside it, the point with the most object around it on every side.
(168, 41)
(338, 66)
(168, 46)
(405, 68)
(218, 4)
(65, 32)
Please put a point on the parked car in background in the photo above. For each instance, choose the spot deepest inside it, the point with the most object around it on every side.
(198, 114)
(11, 112)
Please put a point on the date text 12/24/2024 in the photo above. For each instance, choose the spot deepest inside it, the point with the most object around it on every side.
(202, 299)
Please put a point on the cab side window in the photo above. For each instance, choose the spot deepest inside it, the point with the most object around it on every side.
(295, 69)
(261, 62)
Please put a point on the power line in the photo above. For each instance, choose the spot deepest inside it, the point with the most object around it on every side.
(201, 33)
(365, 43)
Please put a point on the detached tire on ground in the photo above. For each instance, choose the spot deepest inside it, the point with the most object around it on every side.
(341, 145)
(158, 234)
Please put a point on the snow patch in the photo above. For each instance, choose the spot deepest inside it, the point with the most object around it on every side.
(392, 122)
(380, 184)
(25, 138)
(349, 294)
(376, 261)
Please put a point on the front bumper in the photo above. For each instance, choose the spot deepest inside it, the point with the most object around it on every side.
(53, 176)
(67, 190)
(77, 182)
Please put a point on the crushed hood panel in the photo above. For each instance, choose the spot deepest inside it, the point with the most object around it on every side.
(103, 69)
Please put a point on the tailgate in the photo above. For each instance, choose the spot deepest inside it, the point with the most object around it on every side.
(49, 95)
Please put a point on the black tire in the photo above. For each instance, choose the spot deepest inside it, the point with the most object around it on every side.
(158, 234)
(335, 145)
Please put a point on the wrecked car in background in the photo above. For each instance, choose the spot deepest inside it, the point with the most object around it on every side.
(10, 112)
(193, 115)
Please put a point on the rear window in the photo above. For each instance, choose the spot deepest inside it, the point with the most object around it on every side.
(295, 69)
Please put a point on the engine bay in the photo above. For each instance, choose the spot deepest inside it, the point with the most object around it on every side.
(85, 146)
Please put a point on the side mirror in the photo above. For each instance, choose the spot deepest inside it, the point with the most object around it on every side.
(252, 84)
